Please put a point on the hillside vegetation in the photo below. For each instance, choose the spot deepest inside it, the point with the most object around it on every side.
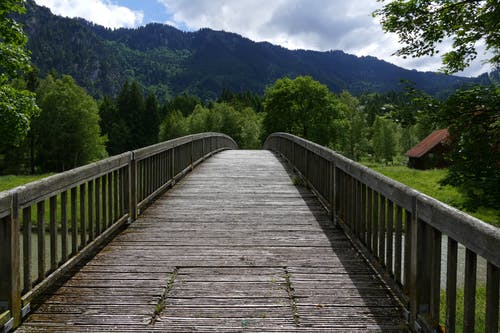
(168, 61)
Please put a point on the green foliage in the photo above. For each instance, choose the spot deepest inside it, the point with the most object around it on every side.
(173, 126)
(430, 183)
(354, 141)
(250, 129)
(473, 117)
(384, 139)
(67, 133)
(422, 25)
(184, 103)
(131, 109)
(241, 100)
(17, 105)
(168, 62)
(244, 126)
(151, 120)
(303, 107)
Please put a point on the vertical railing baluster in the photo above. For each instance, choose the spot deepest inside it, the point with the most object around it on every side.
(64, 226)
(390, 237)
(435, 277)
(381, 230)
(470, 291)
(104, 203)
(451, 285)
(411, 260)
(53, 232)
(83, 218)
(408, 249)
(10, 283)
(116, 213)
(133, 187)
(40, 211)
(492, 298)
(375, 223)
(27, 226)
(90, 206)
(363, 213)
(110, 199)
(74, 221)
(98, 202)
(369, 218)
(398, 246)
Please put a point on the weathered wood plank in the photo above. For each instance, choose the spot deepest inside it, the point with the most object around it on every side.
(234, 245)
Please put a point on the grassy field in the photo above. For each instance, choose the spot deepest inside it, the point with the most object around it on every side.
(427, 181)
(10, 181)
(480, 309)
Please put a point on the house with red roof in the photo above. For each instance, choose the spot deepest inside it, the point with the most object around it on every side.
(429, 153)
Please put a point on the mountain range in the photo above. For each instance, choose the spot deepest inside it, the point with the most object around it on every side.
(167, 61)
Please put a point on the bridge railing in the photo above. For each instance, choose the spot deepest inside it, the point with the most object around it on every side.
(404, 234)
(48, 226)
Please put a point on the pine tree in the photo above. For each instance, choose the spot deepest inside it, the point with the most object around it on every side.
(151, 120)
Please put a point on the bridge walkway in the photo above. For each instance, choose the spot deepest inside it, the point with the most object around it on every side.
(237, 245)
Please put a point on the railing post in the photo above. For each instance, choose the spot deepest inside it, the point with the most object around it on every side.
(412, 288)
(332, 192)
(132, 195)
(191, 158)
(306, 157)
(10, 285)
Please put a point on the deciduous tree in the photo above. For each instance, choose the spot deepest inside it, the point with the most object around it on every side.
(17, 105)
(473, 117)
(303, 107)
(67, 133)
(424, 24)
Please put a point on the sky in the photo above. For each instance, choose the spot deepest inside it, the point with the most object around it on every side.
(319, 25)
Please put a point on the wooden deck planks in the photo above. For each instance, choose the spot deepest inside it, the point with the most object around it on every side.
(235, 246)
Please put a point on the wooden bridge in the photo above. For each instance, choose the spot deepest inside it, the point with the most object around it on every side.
(293, 238)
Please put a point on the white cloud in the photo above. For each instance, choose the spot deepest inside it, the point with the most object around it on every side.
(315, 24)
(103, 12)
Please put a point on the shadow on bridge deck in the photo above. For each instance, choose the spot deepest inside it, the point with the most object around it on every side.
(235, 246)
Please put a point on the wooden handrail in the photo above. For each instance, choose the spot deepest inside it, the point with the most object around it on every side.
(80, 209)
(400, 231)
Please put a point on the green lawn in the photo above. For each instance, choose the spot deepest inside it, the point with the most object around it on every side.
(10, 181)
(427, 181)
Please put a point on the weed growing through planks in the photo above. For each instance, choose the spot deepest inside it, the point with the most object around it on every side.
(162, 302)
(291, 297)
(298, 181)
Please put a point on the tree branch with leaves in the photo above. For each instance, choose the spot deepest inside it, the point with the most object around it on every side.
(17, 106)
(422, 25)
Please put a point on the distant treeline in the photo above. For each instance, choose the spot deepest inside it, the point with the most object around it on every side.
(73, 128)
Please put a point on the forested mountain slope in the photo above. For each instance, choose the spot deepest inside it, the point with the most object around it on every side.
(168, 61)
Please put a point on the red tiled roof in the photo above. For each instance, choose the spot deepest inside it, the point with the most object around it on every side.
(428, 143)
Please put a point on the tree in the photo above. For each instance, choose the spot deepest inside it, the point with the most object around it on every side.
(355, 138)
(151, 120)
(184, 103)
(67, 133)
(113, 127)
(423, 24)
(384, 139)
(204, 120)
(131, 110)
(251, 129)
(473, 117)
(17, 106)
(173, 126)
(303, 107)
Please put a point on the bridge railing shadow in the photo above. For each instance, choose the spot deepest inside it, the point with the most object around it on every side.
(400, 231)
(47, 227)
(358, 272)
